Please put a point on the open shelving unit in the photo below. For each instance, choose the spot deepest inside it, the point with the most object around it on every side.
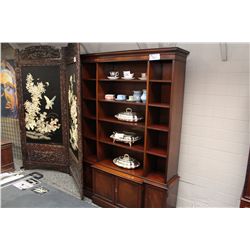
(158, 149)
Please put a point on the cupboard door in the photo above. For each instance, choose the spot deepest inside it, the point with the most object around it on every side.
(103, 185)
(155, 197)
(127, 193)
(73, 90)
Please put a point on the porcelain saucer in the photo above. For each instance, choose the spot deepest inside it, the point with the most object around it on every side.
(121, 100)
(128, 78)
(113, 77)
(142, 78)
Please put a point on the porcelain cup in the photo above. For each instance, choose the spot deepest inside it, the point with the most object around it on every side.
(109, 97)
(143, 75)
(121, 97)
(114, 73)
(131, 98)
(127, 74)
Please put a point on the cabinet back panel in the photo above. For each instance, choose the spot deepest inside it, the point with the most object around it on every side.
(89, 90)
(89, 108)
(161, 70)
(124, 88)
(107, 129)
(157, 139)
(111, 152)
(111, 109)
(159, 93)
(89, 71)
(158, 116)
(134, 67)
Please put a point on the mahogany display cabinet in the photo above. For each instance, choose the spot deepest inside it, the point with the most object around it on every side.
(155, 182)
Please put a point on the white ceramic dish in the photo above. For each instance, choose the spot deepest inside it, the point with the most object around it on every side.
(142, 78)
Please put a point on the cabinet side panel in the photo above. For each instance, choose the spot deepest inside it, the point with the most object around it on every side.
(177, 94)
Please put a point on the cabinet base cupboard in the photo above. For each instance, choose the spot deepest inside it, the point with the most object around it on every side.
(154, 184)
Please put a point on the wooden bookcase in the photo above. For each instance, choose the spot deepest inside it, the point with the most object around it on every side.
(155, 182)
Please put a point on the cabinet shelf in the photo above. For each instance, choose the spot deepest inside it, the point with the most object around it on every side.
(156, 176)
(122, 80)
(122, 102)
(159, 105)
(113, 120)
(135, 147)
(158, 127)
(135, 172)
(160, 81)
(157, 152)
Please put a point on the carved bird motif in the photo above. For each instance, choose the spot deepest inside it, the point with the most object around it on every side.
(49, 103)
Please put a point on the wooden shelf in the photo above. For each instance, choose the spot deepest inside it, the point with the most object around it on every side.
(123, 102)
(115, 121)
(109, 163)
(160, 81)
(159, 105)
(157, 152)
(122, 80)
(135, 147)
(156, 176)
(158, 127)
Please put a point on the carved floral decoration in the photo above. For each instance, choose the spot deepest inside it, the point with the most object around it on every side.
(38, 124)
(72, 99)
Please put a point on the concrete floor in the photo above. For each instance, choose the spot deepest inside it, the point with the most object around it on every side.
(62, 181)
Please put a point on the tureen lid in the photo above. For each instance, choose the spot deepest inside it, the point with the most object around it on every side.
(126, 161)
(129, 114)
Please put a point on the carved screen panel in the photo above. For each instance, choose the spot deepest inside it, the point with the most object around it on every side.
(73, 112)
(42, 104)
(72, 82)
(43, 108)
